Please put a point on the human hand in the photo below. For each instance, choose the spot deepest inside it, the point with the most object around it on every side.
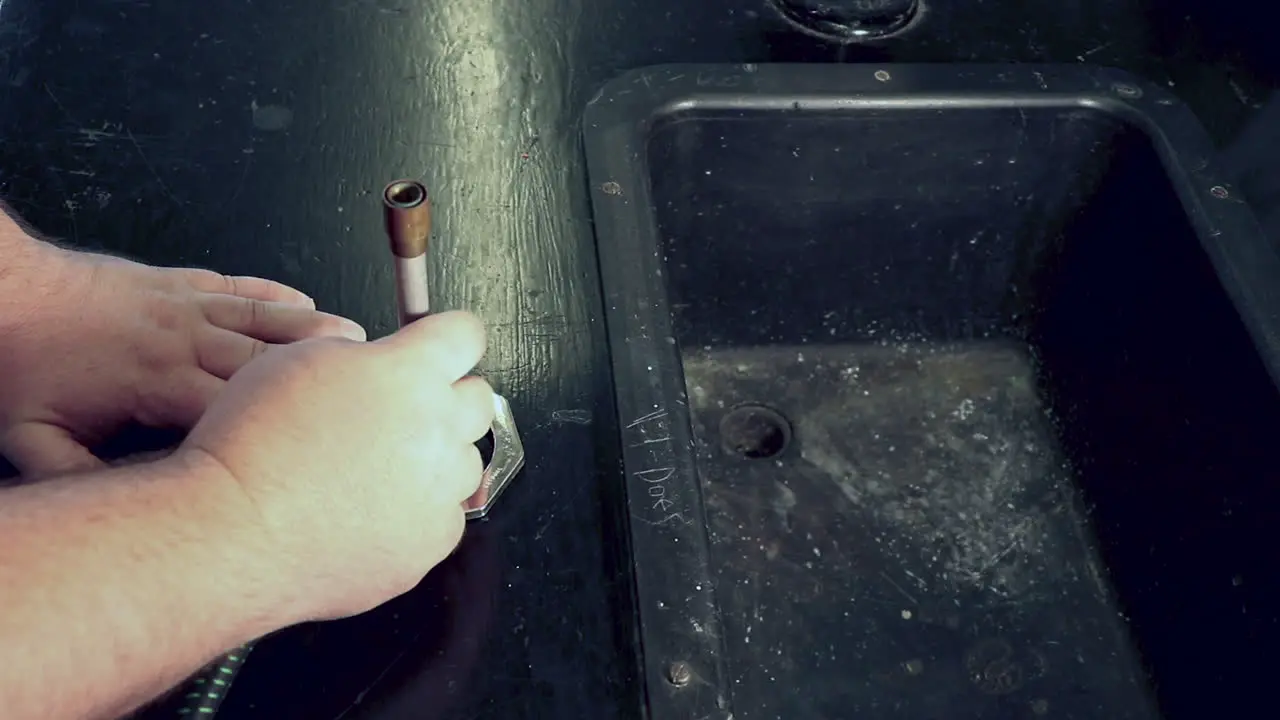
(355, 457)
(93, 342)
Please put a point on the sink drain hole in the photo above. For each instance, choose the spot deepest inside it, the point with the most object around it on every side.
(754, 431)
(849, 20)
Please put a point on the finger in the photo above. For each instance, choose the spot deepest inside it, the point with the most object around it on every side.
(243, 286)
(473, 407)
(451, 343)
(275, 322)
(221, 353)
(37, 449)
(181, 401)
(470, 470)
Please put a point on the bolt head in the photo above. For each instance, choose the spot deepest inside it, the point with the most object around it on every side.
(680, 673)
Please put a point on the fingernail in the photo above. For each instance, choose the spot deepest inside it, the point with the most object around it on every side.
(352, 330)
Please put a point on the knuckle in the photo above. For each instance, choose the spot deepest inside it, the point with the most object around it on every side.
(254, 312)
(165, 314)
(257, 348)
(257, 310)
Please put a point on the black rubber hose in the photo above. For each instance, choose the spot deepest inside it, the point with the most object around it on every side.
(206, 691)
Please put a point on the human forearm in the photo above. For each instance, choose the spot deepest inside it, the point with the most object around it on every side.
(116, 585)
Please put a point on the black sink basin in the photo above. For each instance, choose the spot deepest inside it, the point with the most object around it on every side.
(943, 392)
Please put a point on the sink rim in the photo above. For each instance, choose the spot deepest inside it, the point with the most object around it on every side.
(667, 530)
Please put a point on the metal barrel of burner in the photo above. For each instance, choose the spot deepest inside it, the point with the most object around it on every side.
(407, 217)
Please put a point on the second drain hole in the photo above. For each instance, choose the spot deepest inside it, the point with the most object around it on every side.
(754, 431)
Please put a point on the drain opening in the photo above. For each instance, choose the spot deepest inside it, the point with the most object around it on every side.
(754, 431)
(849, 20)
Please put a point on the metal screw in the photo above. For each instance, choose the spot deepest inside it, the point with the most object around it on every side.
(1128, 91)
(882, 75)
(1219, 192)
(680, 673)
(611, 188)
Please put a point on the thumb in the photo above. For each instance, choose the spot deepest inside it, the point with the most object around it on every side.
(39, 449)
(452, 342)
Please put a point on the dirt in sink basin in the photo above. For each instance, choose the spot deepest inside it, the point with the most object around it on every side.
(895, 533)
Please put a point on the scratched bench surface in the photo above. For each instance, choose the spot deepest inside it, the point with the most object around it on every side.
(254, 137)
